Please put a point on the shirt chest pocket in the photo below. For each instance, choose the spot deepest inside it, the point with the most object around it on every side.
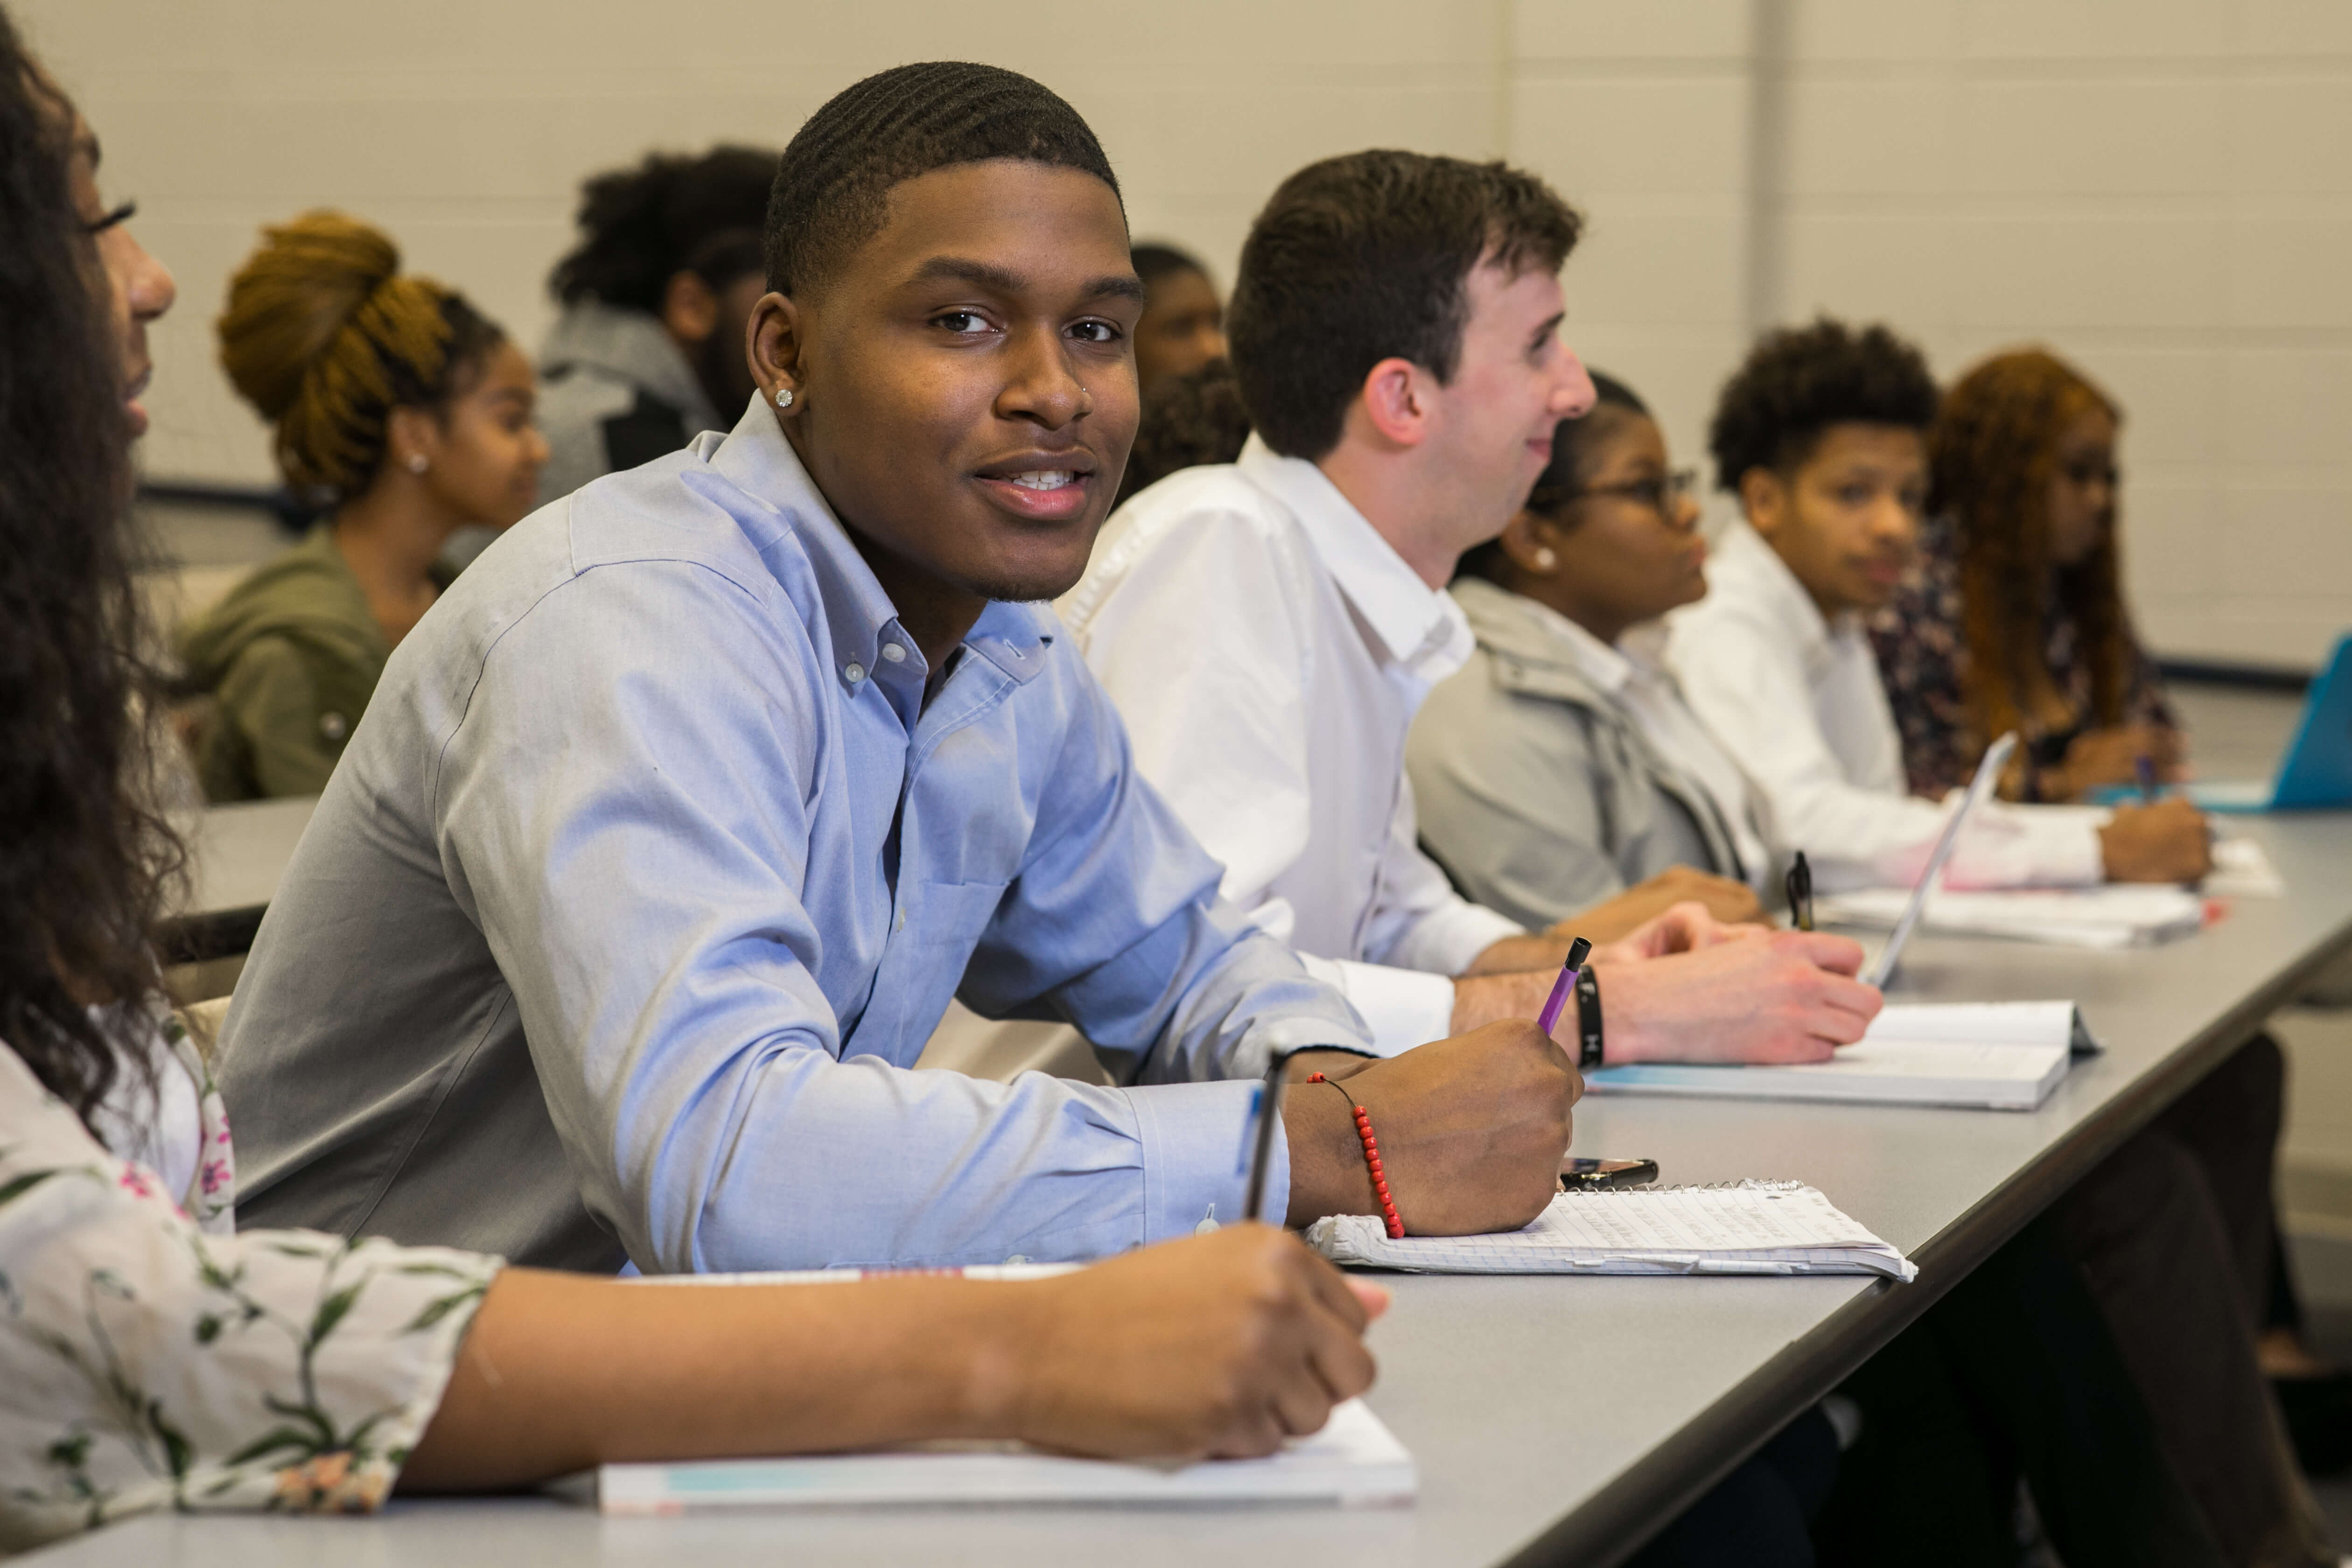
(932, 934)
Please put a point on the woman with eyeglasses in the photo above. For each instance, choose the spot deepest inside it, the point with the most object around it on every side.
(1560, 765)
(2017, 619)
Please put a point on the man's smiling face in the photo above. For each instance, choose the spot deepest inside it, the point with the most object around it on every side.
(964, 381)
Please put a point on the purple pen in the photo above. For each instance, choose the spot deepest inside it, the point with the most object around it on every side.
(1563, 985)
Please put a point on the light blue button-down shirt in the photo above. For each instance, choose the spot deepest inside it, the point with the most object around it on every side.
(647, 875)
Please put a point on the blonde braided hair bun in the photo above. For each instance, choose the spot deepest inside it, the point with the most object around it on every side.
(325, 336)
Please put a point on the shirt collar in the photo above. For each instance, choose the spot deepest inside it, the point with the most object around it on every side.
(756, 457)
(1418, 627)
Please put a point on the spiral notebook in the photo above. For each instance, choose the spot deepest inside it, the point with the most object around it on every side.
(1733, 1228)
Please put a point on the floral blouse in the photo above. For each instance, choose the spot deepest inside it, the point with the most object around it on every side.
(151, 1358)
(1921, 641)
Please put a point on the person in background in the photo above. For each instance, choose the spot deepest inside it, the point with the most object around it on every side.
(151, 1356)
(1194, 419)
(1559, 766)
(1822, 435)
(2016, 619)
(1183, 324)
(409, 410)
(650, 349)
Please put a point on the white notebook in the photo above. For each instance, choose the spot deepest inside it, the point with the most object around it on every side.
(2119, 914)
(1737, 1227)
(1990, 1056)
(1354, 1460)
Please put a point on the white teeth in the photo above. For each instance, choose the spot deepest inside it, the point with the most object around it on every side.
(1046, 479)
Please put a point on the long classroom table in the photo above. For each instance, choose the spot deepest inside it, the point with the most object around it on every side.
(1555, 1420)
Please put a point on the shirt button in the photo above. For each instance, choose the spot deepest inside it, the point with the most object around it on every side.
(854, 673)
(900, 923)
(894, 653)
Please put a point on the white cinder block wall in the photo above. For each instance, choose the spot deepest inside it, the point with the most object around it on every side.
(2161, 189)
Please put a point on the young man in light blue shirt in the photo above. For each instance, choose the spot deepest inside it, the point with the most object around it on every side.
(673, 828)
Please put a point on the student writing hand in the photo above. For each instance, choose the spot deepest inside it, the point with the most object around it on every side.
(1218, 1345)
(1684, 928)
(1789, 996)
(1471, 1131)
(2167, 842)
(1619, 918)
(2099, 757)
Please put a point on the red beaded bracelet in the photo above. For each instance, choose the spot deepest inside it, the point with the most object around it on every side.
(1372, 1156)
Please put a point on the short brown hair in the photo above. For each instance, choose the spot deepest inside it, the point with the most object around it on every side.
(1365, 257)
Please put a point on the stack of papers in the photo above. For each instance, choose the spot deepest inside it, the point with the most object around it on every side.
(2116, 915)
(1993, 1056)
(1737, 1227)
(1355, 1460)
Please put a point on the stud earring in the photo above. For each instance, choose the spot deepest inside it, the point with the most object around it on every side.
(784, 397)
(418, 462)
(1546, 558)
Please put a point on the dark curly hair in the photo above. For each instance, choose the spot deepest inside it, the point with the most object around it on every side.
(642, 226)
(1194, 420)
(1992, 458)
(1797, 382)
(833, 186)
(85, 860)
(1363, 258)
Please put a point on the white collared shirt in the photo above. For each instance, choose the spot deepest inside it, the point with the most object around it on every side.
(1796, 702)
(1267, 650)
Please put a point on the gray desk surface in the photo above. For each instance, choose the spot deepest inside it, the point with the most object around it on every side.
(1554, 1420)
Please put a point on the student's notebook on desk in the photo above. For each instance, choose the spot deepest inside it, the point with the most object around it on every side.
(1737, 1227)
(1994, 1055)
(1354, 1460)
(2119, 914)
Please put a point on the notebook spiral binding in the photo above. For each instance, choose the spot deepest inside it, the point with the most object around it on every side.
(1746, 1183)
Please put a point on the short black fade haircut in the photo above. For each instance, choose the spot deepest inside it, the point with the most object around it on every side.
(833, 187)
(641, 227)
(1797, 382)
(1368, 257)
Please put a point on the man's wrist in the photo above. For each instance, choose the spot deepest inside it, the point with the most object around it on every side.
(1327, 1174)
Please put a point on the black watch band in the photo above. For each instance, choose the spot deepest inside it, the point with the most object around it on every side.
(1588, 1018)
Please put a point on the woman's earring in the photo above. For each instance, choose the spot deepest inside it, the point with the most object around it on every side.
(418, 462)
(784, 397)
(1546, 558)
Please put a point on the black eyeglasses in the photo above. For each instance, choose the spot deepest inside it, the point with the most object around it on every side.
(1664, 495)
(120, 215)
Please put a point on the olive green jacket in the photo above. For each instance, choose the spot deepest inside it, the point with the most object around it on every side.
(288, 659)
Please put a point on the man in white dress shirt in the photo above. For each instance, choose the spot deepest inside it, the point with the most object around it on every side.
(1822, 435)
(1267, 628)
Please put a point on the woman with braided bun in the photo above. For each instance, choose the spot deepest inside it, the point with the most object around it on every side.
(2017, 618)
(404, 409)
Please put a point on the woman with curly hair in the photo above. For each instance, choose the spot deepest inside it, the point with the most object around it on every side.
(395, 401)
(2017, 619)
(152, 1356)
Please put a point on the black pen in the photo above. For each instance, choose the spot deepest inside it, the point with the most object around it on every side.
(1274, 1066)
(1801, 893)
